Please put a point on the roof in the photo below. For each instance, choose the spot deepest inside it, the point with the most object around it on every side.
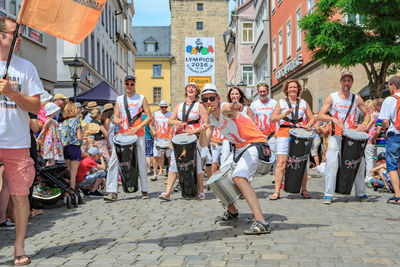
(103, 92)
(159, 34)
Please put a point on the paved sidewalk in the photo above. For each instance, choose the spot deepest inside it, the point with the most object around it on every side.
(132, 231)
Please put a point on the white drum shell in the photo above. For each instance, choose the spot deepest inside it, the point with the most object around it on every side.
(223, 187)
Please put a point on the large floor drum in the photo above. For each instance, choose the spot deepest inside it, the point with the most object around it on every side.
(185, 157)
(125, 147)
(222, 185)
(300, 143)
(353, 146)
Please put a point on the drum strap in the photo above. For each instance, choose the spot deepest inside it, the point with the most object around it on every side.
(264, 151)
(295, 116)
(131, 120)
(345, 118)
(185, 115)
(270, 135)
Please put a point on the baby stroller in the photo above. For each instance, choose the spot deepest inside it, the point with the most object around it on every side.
(53, 178)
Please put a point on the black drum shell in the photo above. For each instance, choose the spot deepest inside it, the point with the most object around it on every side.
(128, 166)
(297, 162)
(350, 159)
(186, 166)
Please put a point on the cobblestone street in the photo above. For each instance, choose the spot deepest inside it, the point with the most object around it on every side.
(132, 231)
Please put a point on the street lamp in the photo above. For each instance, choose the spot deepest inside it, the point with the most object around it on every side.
(75, 68)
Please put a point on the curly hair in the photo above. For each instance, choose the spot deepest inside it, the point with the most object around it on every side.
(286, 86)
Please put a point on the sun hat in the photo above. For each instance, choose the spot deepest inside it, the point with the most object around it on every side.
(58, 96)
(50, 108)
(45, 97)
(78, 104)
(92, 128)
(193, 83)
(108, 106)
(93, 151)
(209, 88)
(92, 105)
(163, 103)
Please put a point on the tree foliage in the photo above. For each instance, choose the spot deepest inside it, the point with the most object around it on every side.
(372, 41)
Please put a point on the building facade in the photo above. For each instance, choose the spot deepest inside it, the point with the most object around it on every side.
(197, 18)
(292, 60)
(37, 47)
(107, 53)
(239, 41)
(153, 63)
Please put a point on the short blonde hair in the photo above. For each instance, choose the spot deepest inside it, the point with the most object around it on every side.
(369, 103)
(70, 110)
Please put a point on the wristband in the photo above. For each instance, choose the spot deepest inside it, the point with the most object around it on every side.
(364, 122)
(284, 114)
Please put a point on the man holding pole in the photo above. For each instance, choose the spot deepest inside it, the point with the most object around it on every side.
(19, 94)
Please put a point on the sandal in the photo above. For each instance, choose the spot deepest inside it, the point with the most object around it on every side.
(258, 228)
(21, 260)
(163, 196)
(396, 200)
(305, 194)
(275, 196)
(202, 196)
(227, 216)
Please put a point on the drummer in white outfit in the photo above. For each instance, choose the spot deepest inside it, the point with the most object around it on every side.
(196, 120)
(334, 111)
(137, 104)
(241, 131)
(161, 134)
(286, 117)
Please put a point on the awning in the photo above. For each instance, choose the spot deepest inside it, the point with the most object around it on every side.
(102, 93)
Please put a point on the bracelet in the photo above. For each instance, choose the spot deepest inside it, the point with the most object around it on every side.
(284, 114)
(364, 122)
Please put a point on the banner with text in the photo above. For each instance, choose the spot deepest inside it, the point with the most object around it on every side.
(199, 60)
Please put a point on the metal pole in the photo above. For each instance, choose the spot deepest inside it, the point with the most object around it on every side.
(75, 85)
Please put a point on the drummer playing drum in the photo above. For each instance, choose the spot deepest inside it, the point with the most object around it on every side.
(241, 131)
(340, 110)
(186, 119)
(286, 114)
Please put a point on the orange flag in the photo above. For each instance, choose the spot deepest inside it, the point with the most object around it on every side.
(70, 20)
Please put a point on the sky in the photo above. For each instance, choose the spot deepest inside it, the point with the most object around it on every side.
(155, 12)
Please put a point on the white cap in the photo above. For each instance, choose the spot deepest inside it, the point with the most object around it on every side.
(93, 151)
(45, 96)
(209, 88)
(163, 103)
(50, 108)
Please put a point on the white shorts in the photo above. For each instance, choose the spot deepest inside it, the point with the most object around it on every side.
(216, 152)
(199, 169)
(315, 145)
(247, 165)
(208, 159)
(157, 152)
(282, 146)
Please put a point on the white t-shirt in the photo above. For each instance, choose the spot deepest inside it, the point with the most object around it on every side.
(14, 121)
(388, 112)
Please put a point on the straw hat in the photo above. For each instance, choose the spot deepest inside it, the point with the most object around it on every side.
(58, 96)
(92, 105)
(108, 106)
(92, 128)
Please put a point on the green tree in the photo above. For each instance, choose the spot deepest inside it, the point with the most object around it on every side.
(371, 40)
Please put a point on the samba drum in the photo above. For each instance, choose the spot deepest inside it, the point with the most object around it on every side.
(185, 157)
(300, 143)
(222, 185)
(264, 166)
(125, 147)
(353, 146)
(162, 145)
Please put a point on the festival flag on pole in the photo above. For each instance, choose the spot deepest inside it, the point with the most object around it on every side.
(70, 20)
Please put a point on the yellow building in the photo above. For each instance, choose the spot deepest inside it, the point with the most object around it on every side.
(153, 63)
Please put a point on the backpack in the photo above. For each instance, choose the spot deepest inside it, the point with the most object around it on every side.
(396, 122)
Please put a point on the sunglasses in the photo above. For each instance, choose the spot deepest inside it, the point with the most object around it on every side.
(131, 84)
(205, 99)
(163, 107)
(262, 84)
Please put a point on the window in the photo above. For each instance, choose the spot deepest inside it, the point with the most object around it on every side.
(156, 95)
(355, 18)
(86, 55)
(247, 75)
(98, 57)
(298, 30)
(274, 54)
(102, 16)
(289, 39)
(151, 47)
(310, 6)
(200, 7)
(247, 32)
(280, 51)
(103, 60)
(92, 50)
(273, 6)
(107, 69)
(13, 7)
(199, 25)
(106, 16)
(157, 70)
(3, 4)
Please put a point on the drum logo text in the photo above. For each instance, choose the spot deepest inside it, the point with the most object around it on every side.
(294, 161)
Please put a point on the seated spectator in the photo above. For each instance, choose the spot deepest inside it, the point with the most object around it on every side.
(380, 175)
(88, 140)
(91, 174)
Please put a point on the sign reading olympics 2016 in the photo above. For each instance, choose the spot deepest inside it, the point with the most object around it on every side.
(199, 58)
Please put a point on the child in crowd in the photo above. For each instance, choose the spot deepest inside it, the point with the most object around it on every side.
(380, 175)
(91, 174)
(51, 147)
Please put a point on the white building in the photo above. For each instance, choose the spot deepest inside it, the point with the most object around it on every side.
(107, 53)
(37, 47)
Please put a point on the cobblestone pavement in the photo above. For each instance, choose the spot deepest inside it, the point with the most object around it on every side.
(151, 232)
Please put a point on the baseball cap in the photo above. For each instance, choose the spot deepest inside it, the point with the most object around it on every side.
(50, 108)
(209, 88)
(58, 96)
(163, 103)
(380, 156)
(130, 77)
(346, 73)
(93, 151)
